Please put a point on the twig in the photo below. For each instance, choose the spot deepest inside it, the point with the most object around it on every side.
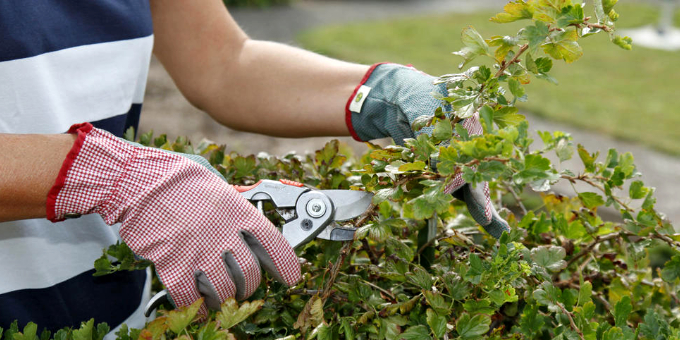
(518, 200)
(598, 239)
(571, 320)
(383, 290)
(512, 61)
(335, 269)
(585, 179)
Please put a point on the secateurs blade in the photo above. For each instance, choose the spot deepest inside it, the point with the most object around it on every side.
(308, 213)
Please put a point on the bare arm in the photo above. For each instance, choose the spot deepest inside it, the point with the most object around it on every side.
(250, 85)
(29, 165)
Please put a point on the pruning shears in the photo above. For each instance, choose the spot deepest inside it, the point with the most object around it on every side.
(308, 213)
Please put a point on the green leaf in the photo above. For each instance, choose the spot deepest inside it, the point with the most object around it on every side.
(422, 147)
(346, 328)
(516, 89)
(671, 269)
(232, 314)
(590, 200)
(415, 166)
(30, 332)
(544, 64)
(587, 158)
(571, 15)
(100, 331)
(442, 130)
(103, 265)
(129, 134)
(179, 319)
(420, 277)
(613, 333)
(472, 327)
(564, 150)
(482, 306)
(85, 331)
(548, 295)
(436, 322)
(210, 331)
(244, 166)
(486, 114)
(531, 321)
(507, 116)
(474, 46)
(437, 302)
(433, 200)
(654, 327)
(585, 293)
(447, 162)
(549, 257)
(418, 332)
(638, 190)
(513, 11)
(536, 34)
(421, 122)
(564, 46)
(621, 311)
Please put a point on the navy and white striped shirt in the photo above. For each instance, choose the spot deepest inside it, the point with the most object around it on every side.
(64, 62)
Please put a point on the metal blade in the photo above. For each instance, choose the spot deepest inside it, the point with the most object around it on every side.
(334, 232)
(349, 203)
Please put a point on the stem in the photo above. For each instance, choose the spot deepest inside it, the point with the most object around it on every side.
(335, 269)
(586, 179)
(571, 320)
(589, 249)
(384, 291)
(514, 59)
(517, 198)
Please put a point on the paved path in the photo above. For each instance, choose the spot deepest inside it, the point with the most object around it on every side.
(166, 110)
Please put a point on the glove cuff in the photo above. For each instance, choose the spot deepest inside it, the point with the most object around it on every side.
(355, 102)
(388, 99)
(89, 174)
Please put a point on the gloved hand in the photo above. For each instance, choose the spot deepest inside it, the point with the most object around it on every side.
(385, 104)
(202, 235)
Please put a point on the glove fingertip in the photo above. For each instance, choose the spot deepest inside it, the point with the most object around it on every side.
(496, 227)
(279, 260)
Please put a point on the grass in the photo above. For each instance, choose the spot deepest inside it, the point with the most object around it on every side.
(627, 94)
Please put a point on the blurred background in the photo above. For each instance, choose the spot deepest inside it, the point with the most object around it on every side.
(610, 98)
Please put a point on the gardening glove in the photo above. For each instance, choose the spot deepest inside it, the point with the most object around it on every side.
(385, 104)
(203, 237)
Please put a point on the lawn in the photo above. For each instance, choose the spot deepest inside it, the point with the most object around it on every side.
(628, 94)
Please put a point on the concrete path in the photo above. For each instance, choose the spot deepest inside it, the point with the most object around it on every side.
(167, 111)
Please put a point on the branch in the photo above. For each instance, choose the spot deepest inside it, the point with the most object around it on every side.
(514, 59)
(571, 320)
(586, 179)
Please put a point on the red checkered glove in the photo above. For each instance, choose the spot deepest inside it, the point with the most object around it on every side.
(202, 235)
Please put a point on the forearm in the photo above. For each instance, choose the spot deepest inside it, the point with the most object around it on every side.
(284, 91)
(250, 85)
(29, 165)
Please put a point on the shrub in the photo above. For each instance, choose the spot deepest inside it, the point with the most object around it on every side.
(564, 272)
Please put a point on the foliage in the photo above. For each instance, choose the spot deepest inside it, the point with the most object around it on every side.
(564, 271)
(605, 91)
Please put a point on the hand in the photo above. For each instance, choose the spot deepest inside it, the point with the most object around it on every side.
(203, 237)
(386, 103)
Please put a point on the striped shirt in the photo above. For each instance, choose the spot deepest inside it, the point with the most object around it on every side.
(64, 62)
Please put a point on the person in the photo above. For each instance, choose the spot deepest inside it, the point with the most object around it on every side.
(67, 62)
